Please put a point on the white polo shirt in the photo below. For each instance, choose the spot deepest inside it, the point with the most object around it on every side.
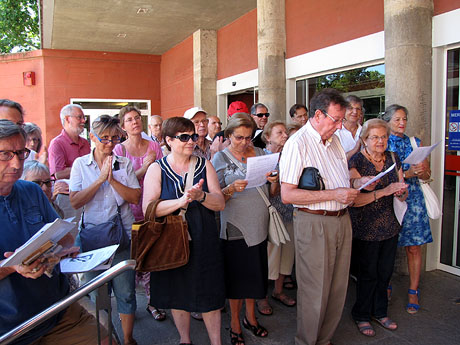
(306, 149)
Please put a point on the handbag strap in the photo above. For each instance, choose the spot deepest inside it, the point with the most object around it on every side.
(241, 167)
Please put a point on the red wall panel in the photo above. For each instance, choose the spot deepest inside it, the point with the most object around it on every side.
(442, 6)
(237, 46)
(177, 79)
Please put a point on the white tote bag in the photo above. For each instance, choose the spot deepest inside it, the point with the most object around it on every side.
(431, 200)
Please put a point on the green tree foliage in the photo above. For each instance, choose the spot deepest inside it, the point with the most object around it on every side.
(348, 81)
(19, 26)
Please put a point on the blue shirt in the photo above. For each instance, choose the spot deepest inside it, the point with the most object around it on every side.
(23, 212)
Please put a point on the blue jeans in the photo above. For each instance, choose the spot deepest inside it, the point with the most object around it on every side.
(123, 286)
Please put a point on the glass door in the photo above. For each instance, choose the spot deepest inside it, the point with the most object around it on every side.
(450, 234)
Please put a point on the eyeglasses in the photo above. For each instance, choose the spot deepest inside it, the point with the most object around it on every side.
(262, 114)
(186, 137)
(240, 138)
(80, 117)
(8, 155)
(48, 182)
(135, 118)
(300, 116)
(203, 122)
(329, 116)
(350, 108)
(377, 138)
(115, 139)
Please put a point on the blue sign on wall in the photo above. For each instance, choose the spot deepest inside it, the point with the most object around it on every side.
(454, 130)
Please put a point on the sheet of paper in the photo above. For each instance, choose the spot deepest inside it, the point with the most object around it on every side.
(122, 177)
(49, 232)
(383, 173)
(88, 261)
(257, 168)
(400, 208)
(419, 154)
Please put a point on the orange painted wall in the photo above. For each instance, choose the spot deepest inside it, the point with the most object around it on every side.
(177, 79)
(312, 25)
(237, 46)
(65, 74)
(442, 6)
(11, 84)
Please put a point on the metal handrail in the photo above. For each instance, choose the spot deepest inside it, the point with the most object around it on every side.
(64, 303)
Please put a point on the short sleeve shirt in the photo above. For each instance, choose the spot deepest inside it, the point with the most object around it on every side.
(306, 149)
(346, 138)
(103, 206)
(63, 151)
(23, 212)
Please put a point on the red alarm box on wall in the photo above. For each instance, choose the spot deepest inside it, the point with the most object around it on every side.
(28, 78)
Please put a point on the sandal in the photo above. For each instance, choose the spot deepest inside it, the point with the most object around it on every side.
(365, 328)
(236, 338)
(284, 299)
(263, 307)
(386, 323)
(289, 283)
(413, 308)
(157, 314)
(258, 330)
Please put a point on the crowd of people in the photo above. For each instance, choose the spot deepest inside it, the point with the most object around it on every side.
(334, 231)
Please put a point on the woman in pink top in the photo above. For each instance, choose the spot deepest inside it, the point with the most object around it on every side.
(142, 153)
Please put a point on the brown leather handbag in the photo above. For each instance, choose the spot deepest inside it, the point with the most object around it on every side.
(161, 243)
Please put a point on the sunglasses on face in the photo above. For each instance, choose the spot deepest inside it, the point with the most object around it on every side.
(263, 114)
(186, 137)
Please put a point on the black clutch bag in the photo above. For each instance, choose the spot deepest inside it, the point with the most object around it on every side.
(311, 179)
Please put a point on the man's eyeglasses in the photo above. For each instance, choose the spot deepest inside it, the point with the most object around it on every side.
(8, 155)
(203, 122)
(115, 139)
(262, 115)
(79, 117)
(48, 182)
(329, 116)
(186, 137)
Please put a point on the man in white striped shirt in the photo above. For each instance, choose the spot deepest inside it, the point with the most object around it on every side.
(322, 225)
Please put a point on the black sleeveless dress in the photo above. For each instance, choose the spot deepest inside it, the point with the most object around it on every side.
(199, 285)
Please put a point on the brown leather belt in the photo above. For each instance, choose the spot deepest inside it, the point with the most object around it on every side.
(324, 212)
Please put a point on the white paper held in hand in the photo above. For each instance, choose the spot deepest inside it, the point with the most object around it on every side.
(383, 173)
(258, 167)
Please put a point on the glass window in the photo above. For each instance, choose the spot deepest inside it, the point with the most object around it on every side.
(368, 83)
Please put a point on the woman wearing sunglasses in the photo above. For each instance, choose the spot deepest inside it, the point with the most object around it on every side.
(104, 183)
(199, 285)
(244, 224)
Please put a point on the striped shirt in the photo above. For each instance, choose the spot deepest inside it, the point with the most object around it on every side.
(306, 149)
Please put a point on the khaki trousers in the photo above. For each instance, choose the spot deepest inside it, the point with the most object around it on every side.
(323, 248)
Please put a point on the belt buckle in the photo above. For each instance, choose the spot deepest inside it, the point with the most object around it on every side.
(324, 213)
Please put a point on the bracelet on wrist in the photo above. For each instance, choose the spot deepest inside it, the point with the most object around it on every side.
(375, 195)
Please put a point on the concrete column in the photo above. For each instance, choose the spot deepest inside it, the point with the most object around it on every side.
(408, 68)
(205, 70)
(271, 48)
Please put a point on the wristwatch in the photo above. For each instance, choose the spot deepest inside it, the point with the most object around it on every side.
(203, 198)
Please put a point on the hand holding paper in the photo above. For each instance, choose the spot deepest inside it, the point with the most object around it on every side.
(419, 154)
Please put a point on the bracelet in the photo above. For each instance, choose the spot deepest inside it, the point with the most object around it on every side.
(227, 192)
(375, 195)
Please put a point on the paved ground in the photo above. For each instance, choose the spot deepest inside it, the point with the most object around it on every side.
(437, 322)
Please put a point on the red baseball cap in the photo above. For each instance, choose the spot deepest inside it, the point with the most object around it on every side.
(237, 107)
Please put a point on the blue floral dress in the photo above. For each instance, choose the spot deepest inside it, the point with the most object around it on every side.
(416, 226)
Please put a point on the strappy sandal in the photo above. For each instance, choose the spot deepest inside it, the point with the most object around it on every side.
(386, 323)
(284, 299)
(236, 338)
(157, 314)
(413, 308)
(364, 326)
(258, 330)
(264, 307)
(289, 283)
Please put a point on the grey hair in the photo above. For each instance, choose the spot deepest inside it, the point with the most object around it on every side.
(30, 128)
(9, 129)
(391, 110)
(67, 111)
(155, 117)
(255, 106)
(354, 99)
(34, 166)
(371, 124)
(106, 123)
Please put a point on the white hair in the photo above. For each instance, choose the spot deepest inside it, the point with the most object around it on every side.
(67, 111)
(155, 117)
